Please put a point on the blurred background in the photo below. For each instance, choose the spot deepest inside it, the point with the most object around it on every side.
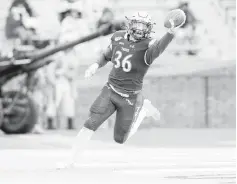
(192, 83)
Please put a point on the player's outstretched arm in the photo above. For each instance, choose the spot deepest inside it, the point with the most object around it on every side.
(157, 47)
(102, 61)
(174, 20)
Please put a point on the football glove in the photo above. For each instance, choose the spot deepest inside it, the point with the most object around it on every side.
(173, 29)
(91, 70)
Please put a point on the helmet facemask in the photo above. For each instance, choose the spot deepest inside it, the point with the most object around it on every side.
(139, 27)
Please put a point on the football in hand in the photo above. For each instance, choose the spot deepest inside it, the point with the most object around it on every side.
(178, 16)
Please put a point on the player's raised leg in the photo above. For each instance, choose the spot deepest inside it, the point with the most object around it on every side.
(130, 114)
(100, 110)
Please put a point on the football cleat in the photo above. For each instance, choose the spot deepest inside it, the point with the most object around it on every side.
(151, 111)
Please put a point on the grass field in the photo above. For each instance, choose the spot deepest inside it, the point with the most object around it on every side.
(201, 156)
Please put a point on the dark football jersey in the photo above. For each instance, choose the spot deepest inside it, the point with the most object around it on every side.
(132, 59)
(129, 66)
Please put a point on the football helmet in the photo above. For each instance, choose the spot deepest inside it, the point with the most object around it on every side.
(140, 25)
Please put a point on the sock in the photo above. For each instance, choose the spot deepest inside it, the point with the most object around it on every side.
(50, 123)
(70, 123)
(81, 140)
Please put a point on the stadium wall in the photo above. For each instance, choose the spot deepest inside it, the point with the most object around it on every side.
(204, 100)
(194, 102)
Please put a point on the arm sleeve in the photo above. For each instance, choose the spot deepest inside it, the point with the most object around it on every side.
(105, 57)
(157, 47)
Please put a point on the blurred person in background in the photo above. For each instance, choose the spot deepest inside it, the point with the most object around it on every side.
(21, 22)
(35, 82)
(104, 17)
(187, 32)
(107, 16)
(65, 92)
(72, 27)
(50, 109)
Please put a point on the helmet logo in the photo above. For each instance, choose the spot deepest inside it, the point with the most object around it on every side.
(117, 38)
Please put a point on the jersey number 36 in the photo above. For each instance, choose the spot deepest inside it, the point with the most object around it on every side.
(125, 63)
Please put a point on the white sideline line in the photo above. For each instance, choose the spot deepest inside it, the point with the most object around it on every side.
(122, 157)
(92, 163)
(210, 169)
(130, 154)
(186, 171)
(171, 151)
(131, 167)
(136, 165)
(128, 164)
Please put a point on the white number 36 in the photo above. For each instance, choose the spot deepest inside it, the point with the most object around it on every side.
(126, 64)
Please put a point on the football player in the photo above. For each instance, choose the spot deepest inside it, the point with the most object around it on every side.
(132, 52)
